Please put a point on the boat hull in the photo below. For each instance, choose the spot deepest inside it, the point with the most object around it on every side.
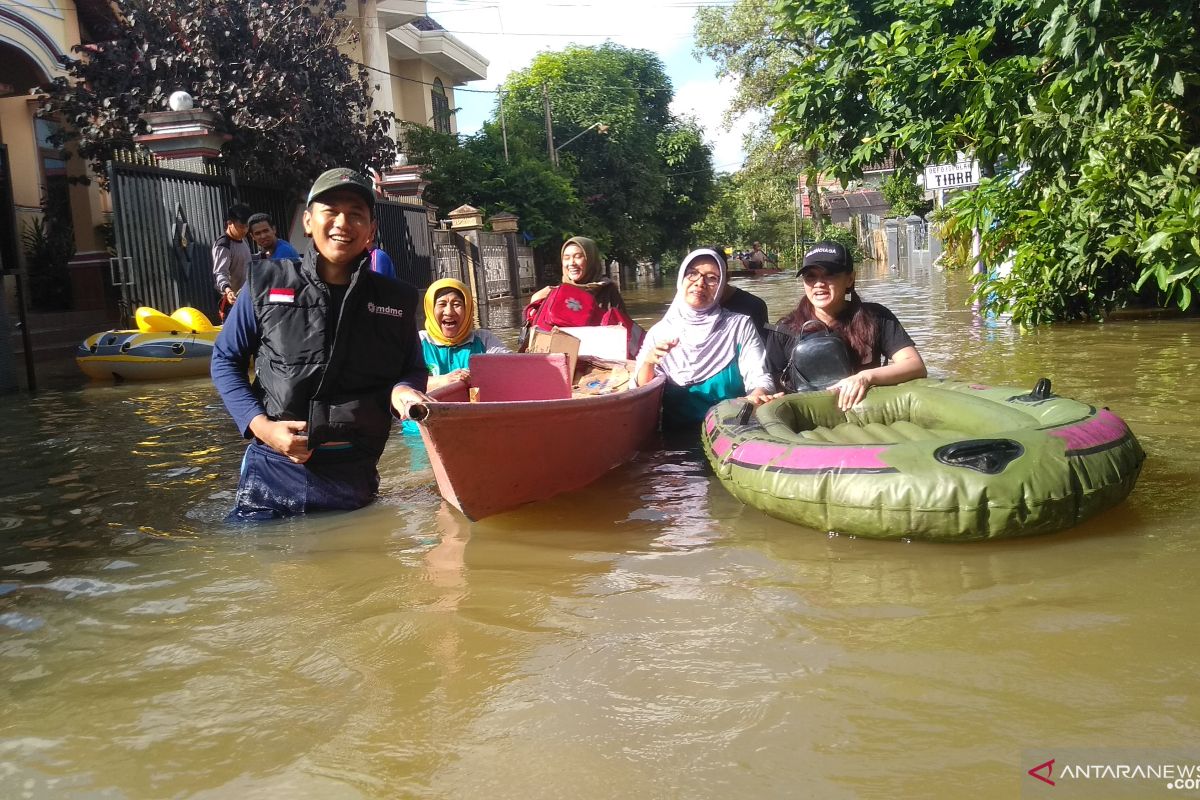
(493, 457)
(927, 460)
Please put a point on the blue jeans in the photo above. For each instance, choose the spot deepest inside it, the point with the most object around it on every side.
(272, 487)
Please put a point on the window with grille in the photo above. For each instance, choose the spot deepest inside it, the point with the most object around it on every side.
(441, 107)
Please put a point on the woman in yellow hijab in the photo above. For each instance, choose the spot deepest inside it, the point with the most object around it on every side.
(450, 336)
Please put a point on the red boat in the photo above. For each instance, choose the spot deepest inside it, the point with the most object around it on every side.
(503, 451)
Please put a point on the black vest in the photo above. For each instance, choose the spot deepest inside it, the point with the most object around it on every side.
(301, 374)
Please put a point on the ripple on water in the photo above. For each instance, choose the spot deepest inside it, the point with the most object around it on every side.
(73, 587)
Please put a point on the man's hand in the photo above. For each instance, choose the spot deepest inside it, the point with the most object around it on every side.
(405, 396)
(230, 295)
(286, 437)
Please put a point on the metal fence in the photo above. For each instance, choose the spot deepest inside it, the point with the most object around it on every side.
(526, 269)
(165, 222)
(405, 236)
(448, 256)
(494, 252)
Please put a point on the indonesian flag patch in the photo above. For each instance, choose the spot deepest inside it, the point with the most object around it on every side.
(282, 296)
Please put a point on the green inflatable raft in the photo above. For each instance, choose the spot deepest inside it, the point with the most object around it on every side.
(926, 460)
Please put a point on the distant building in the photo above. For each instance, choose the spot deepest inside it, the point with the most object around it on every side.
(844, 205)
(415, 60)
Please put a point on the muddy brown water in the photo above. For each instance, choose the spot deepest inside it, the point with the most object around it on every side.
(646, 637)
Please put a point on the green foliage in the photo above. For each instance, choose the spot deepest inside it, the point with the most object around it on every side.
(48, 247)
(845, 237)
(750, 207)
(902, 193)
(274, 74)
(473, 171)
(646, 180)
(1097, 102)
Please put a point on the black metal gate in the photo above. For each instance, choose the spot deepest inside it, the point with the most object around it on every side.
(405, 236)
(165, 222)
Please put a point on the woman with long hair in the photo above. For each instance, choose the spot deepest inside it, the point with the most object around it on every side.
(881, 351)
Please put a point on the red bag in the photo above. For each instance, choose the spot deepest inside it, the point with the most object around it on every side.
(566, 306)
(569, 306)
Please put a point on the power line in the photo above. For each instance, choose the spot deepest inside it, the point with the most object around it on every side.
(510, 91)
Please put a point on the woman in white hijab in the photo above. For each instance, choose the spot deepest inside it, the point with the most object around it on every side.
(706, 353)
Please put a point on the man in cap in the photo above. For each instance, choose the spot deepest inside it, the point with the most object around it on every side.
(335, 353)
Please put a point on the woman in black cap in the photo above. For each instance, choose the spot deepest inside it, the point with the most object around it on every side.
(880, 351)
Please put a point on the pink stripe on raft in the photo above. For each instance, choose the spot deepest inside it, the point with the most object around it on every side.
(759, 454)
(710, 424)
(1104, 428)
(721, 446)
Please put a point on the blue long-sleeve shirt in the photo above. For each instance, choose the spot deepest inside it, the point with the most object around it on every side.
(236, 345)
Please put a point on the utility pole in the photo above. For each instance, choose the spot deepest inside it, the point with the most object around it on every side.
(503, 127)
(549, 127)
(797, 207)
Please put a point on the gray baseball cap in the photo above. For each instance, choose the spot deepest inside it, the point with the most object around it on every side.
(343, 178)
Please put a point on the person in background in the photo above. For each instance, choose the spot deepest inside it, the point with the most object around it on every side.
(583, 267)
(450, 337)
(381, 263)
(706, 353)
(757, 258)
(739, 301)
(596, 300)
(265, 236)
(231, 256)
(335, 354)
(878, 343)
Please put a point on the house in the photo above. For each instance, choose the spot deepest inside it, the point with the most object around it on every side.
(415, 60)
(417, 64)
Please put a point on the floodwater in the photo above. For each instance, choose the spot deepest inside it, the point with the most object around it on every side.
(646, 637)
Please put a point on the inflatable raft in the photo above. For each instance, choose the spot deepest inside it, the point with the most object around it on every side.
(926, 460)
(162, 347)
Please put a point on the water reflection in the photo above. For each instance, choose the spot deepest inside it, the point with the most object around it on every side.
(649, 636)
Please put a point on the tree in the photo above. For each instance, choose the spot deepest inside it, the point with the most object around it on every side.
(473, 171)
(902, 193)
(1084, 115)
(273, 73)
(745, 43)
(646, 180)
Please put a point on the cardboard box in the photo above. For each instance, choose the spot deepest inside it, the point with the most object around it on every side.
(608, 342)
(556, 342)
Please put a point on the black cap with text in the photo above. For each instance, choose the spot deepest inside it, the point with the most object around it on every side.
(830, 256)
